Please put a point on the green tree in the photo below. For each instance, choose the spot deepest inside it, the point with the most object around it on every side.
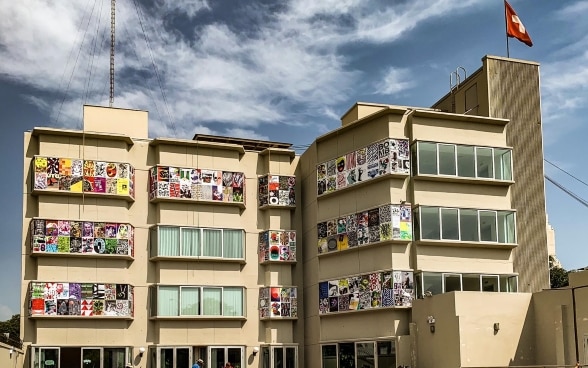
(11, 326)
(558, 277)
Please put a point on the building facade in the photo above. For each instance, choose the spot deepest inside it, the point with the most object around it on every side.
(156, 252)
(398, 233)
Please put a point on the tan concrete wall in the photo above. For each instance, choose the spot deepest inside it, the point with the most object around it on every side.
(132, 123)
(11, 357)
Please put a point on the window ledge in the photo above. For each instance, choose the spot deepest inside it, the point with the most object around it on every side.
(201, 201)
(400, 176)
(37, 192)
(278, 318)
(269, 262)
(196, 259)
(356, 248)
(277, 206)
(85, 318)
(378, 309)
(464, 180)
(198, 318)
(81, 255)
(466, 244)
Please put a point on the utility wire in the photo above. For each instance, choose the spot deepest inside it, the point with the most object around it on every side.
(567, 173)
(91, 61)
(567, 191)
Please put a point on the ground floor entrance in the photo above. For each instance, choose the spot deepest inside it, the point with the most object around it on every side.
(83, 357)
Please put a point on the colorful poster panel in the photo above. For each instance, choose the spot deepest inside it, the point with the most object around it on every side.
(81, 237)
(278, 302)
(80, 299)
(88, 176)
(366, 291)
(196, 184)
(277, 246)
(276, 190)
(384, 223)
(389, 156)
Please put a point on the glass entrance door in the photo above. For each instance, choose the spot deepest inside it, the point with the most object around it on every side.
(91, 358)
(47, 358)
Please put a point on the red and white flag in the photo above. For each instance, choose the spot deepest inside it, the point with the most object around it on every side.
(515, 27)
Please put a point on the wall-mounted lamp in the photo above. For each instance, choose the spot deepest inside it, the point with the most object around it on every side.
(431, 322)
(496, 327)
(255, 350)
(10, 352)
(141, 351)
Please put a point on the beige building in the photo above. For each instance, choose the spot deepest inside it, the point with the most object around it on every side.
(408, 236)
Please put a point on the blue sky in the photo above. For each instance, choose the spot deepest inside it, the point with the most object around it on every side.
(281, 70)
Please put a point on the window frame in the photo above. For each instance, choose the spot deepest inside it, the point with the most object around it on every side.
(479, 229)
(284, 348)
(506, 282)
(456, 165)
(153, 304)
(155, 243)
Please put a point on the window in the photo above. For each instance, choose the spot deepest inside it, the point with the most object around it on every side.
(219, 355)
(468, 225)
(279, 356)
(360, 354)
(432, 283)
(172, 241)
(464, 161)
(189, 301)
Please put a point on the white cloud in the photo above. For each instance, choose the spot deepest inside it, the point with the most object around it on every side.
(289, 68)
(5, 312)
(394, 81)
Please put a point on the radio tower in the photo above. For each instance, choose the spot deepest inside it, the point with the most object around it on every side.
(112, 23)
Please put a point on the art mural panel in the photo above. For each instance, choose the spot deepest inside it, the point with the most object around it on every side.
(367, 291)
(277, 246)
(389, 156)
(384, 223)
(80, 299)
(196, 184)
(81, 237)
(87, 176)
(276, 190)
(278, 302)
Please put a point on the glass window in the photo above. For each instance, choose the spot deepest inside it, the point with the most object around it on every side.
(114, 357)
(217, 357)
(169, 241)
(446, 159)
(166, 356)
(490, 283)
(347, 355)
(508, 283)
(471, 282)
(190, 301)
(386, 354)
(365, 355)
(278, 358)
(212, 243)
(432, 283)
(329, 356)
(212, 301)
(290, 357)
(506, 227)
(468, 221)
(265, 357)
(190, 242)
(487, 226)
(449, 223)
(452, 282)
(168, 300)
(233, 244)
(466, 161)
(430, 224)
(233, 301)
(485, 162)
(427, 158)
(502, 163)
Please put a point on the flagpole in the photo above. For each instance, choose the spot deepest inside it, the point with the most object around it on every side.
(506, 30)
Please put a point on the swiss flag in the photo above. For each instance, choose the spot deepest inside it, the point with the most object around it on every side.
(515, 27)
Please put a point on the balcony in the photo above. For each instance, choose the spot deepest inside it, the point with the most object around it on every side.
(276, 191)
(277, 246)
(278, 302)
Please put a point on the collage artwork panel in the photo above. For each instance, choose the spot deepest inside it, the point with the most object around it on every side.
(80, 299)
(88, 176)
(367, 291)
(387, 222)
(196, 184)
(276, 190)
(278, 302)
(81, 237)
(390, 156)
(277, 245)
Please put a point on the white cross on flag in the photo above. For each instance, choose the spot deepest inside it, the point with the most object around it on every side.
(515, 27)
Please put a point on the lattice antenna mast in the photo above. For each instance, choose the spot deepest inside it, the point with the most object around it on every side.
(112, 24)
